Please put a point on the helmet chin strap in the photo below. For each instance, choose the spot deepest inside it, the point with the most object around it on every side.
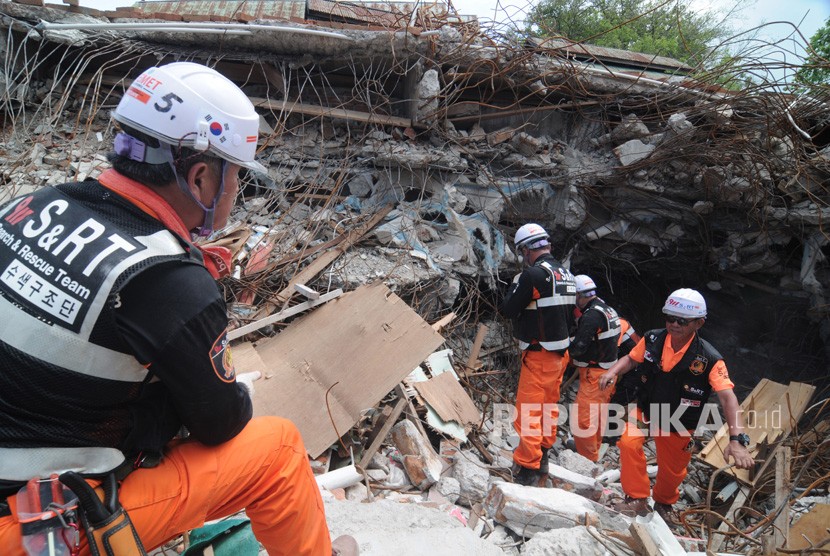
(207, 223)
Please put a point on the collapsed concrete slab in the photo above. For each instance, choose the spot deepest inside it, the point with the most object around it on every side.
(529, 510)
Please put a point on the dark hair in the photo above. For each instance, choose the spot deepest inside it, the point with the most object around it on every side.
(159, 175)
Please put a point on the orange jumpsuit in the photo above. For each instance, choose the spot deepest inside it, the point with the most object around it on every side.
(672, 454)
(537, 404)
(264, 470)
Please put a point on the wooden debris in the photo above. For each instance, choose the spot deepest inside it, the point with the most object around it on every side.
(446, 396)
(335, 362)
(771, 411)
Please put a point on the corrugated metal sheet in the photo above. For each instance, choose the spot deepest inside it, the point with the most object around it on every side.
(615, 56)
(231, 9)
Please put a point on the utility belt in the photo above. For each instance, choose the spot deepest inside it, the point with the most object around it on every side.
(52, 511)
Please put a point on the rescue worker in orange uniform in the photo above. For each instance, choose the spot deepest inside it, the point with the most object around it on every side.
(593, 351)
(541, 302)
(681, 369)
(114, 336)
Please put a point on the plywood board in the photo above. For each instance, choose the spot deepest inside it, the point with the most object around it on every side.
(449, 399)
(770, 413)
(813, 526)
(356, 348)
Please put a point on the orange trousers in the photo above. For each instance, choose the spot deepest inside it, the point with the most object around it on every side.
(264, 469)
(590, 420)
(673, 459)
(537, 410)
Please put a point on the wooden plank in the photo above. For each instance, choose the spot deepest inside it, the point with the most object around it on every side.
(445, 320)
(383, 433)
(472, 360)
(646, 545)
(295, 107)
(449, 400)
(770, 413)
(336, 361)
(783, 489)
(282, 315)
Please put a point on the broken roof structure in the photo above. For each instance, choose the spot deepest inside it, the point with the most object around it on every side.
(405, 144)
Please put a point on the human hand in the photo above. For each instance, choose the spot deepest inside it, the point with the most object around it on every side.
(742, 457)
(247, 381)
(607, 379)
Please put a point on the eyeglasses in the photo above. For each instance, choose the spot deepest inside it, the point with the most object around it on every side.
(678, 320)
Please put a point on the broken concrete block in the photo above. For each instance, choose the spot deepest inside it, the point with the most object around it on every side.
(629, 128)
(678, 123)
(421, 463)
(500, 136)
(428, 89)
(633, 151)
(473, 477)
(576, 541)
(450, 488)
(530, 510)
(579, 463)
(574, 482)
(526, 144)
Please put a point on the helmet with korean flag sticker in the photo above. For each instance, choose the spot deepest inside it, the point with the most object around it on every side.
(191, 105)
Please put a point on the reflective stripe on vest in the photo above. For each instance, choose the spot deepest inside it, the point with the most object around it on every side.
(21, 464)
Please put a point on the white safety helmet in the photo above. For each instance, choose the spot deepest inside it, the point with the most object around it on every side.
(191, 105)
(584, 284)
(532, 236)
(685, 303)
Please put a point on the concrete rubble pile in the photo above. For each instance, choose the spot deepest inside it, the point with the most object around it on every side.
(456, 136)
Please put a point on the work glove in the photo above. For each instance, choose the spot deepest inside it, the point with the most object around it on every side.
(247, 381)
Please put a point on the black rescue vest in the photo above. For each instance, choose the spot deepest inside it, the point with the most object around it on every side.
(548, 320)
(686, 385)
(602, 352)
(65, 252)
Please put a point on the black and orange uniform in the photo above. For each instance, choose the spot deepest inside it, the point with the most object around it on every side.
(541, 302)
(593, 351)
(113, 340)
(682, 378)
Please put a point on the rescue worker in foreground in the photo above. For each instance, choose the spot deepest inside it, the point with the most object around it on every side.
(113, 333)
(682, 369)
(541, 302)
(593, 351)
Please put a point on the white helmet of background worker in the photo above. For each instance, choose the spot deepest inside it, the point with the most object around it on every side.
(191, 105)
(585, 285)
(685, 303)
(532, 236)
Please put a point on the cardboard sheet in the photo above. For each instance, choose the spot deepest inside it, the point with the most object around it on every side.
(356, 348)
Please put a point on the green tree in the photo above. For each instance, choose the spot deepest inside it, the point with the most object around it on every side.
(666, 28)
(816, 68)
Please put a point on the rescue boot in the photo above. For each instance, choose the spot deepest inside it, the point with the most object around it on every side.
(632, 507)
(665, 511)
(525, 476)
(544, 466)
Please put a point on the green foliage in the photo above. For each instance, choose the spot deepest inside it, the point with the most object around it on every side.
(816, 68)
(668, 28)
